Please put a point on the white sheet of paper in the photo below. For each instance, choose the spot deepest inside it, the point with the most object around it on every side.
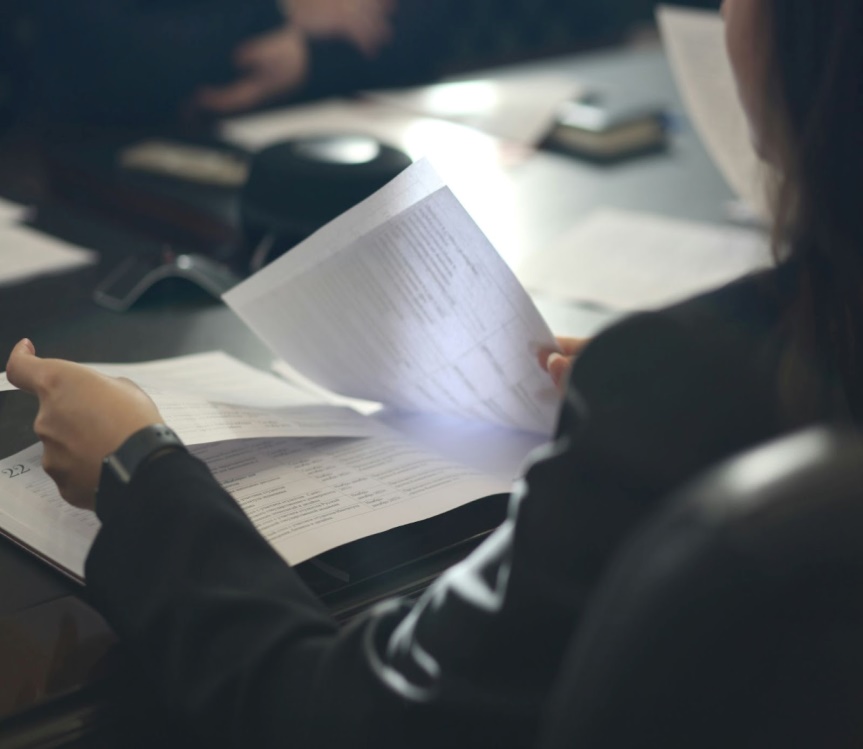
(305, 496)
(519, 109)
(631, 261)
(213, 397)
(212, 375)
(309, 496)
(215, 376)
(695, 44)
(445, 143)
(198, 421)
(404, 301)
(26, 253)
(32, 511)
(10, 211)
(491, 450)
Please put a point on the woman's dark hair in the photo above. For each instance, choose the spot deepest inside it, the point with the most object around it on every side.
(815, 90)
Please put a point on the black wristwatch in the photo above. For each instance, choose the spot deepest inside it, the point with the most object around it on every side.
(119, 468)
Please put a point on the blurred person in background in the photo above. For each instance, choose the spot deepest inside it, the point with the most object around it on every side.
(145, 61)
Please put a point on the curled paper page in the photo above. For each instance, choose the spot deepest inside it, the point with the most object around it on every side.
(404, 301)
(695, 43)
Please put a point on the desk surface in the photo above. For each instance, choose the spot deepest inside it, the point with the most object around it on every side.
(549, 193)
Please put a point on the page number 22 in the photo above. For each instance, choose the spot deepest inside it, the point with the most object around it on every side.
(15, 471)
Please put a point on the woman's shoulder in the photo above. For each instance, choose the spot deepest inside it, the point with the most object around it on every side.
(663, 395)
(742, 316)
(722, 347)
(758, 299)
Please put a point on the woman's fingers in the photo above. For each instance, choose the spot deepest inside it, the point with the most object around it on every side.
(83, 416)
(24, 368)
(558, 367)
(558, 363)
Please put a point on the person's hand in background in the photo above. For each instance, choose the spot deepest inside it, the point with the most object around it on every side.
(558, 363)
(84, 416)
(277, 63)
(270, 66)
(364, 23)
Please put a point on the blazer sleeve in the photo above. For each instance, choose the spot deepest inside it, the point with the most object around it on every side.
(249, 657)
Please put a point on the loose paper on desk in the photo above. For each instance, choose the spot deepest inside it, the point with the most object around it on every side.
(10, 212)
(26, 253)
(404, 301)
(213, 397)
(521, 109)
(695, 44)
(304, 496)
(493, 450)
(631, 261)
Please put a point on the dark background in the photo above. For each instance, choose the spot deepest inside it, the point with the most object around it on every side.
(138, 59)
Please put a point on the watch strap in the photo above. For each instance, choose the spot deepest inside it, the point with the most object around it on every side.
(125, 461)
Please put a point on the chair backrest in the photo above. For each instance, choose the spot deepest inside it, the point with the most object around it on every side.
(736, 619)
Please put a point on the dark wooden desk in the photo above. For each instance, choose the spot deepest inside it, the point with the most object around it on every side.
(549, 192)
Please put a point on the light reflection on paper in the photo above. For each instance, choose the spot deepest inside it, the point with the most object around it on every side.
(459, 99)
(470, 164)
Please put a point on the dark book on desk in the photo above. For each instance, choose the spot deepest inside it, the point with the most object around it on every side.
(315, 468)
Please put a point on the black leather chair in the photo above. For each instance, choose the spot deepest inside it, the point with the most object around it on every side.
(736, 619)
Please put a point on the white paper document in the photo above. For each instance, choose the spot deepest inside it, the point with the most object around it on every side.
(632, 261)
(309, 496)
(197, 421)
(695, 43)
(519, 109)
(404, 301)
(10, 212)
(33, 513)
(215, 376)
(213, 397)
(26, 254)
(304, 496)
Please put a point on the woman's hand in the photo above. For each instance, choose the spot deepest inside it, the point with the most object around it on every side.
(83, 417)
(558, 363)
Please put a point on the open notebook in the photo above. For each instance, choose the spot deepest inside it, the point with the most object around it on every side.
(402, 301)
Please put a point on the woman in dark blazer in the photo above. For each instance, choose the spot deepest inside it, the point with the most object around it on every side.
(234, 642)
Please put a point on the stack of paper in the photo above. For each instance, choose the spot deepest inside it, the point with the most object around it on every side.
(26, 253)
(695, 43)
